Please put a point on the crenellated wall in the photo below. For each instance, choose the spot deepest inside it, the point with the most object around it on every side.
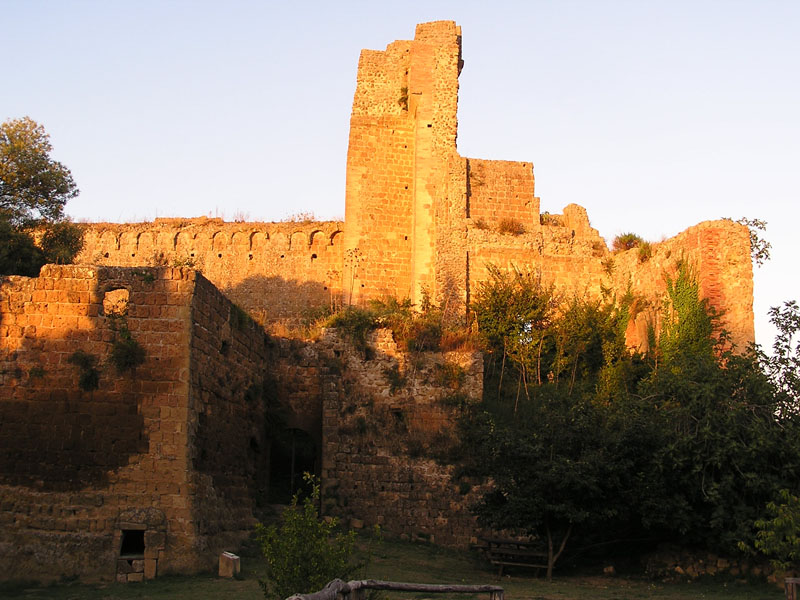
(276, 270)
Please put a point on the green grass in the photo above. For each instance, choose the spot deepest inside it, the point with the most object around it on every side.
(421, 563)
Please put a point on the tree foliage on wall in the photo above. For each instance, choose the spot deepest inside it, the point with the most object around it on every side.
(687, 443)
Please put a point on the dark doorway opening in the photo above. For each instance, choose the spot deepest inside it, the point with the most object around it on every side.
(132, 543)
(293, 454)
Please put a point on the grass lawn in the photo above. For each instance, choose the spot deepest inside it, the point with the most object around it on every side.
(402, 561)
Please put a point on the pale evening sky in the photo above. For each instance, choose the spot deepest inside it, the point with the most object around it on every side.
(654, 115)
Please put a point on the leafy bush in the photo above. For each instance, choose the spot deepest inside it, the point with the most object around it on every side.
(685, 444)
(19, 255)
(89, 375)
(645, 251)
(126, 352)
(778, 536)
(62, 242)
(511, 227)
(626, 241)
(355, 323)
(304, 552)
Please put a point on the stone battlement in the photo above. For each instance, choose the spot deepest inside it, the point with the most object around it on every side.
(421, 219)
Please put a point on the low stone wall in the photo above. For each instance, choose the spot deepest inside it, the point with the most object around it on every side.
(674, 563)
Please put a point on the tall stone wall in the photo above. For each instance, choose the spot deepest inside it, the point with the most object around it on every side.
(229, 394)
(462, 211)
(718, 252)
(76, 466)
(500, 190)
(168, 448)
(388, 426)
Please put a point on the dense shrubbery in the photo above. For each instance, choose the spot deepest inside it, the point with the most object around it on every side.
(588, 443)
(423, 330)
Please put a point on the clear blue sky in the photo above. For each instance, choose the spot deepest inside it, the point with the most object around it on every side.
(654, 115)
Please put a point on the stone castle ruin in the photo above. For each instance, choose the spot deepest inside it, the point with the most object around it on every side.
(158, 467)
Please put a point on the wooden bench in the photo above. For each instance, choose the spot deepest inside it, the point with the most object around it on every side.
(514, 553)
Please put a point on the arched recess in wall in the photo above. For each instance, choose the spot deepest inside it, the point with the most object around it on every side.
(220, 241)
(259, 240)
(184, 244)
(336, 238)
(109, 242)
(280, 242)
(241, 241)
(128, 243)
(144, 245)
(318, 239)
(298, 241)
(202, 243)
(293, 453)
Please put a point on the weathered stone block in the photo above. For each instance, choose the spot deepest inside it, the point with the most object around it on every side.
(150, 568)
(229, 564)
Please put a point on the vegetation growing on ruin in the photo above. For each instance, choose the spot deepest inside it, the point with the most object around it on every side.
(645, 251)
(511, 227)
(89, 378)
(239, 319)
(403, 99)
(626, 241)
(588, 443)
(126, 352)
(759, 247)
(415, 329)
(546, 218)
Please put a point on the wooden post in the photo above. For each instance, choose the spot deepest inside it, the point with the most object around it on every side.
(792, 587)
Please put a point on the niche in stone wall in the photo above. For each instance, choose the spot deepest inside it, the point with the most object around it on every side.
(115, 302)
(293, 453)
(140, 535)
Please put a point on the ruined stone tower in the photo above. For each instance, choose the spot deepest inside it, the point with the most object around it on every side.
(422, 219)
(402, 140)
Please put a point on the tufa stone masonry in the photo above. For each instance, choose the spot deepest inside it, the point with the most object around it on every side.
(420, 218)
(128, 470)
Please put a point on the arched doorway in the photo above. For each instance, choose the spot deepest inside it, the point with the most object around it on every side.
(292, 454)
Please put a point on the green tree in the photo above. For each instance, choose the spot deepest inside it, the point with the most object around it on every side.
(607, 445)
(33, 186)
(513, 311)
(18, 254)
(33, 191)
(304, 552)
(779, 534)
